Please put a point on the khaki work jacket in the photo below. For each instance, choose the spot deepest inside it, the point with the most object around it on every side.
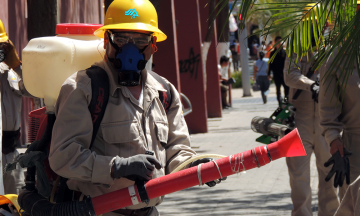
(128, 128)
(339, 111)
(296, 79)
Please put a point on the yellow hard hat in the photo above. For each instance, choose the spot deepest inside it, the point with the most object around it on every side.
(308, 7)
(132, 15)
(10, 198)
(3, 35)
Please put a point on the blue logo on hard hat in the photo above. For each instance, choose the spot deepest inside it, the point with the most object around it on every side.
(132, 12)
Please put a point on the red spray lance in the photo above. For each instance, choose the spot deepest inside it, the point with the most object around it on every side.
(288, 146)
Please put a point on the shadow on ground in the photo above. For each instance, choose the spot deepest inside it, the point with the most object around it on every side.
(213, 202)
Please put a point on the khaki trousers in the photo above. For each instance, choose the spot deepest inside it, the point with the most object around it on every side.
(307, 122)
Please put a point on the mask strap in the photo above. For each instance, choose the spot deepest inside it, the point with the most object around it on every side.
(117, 48)
(112, 42)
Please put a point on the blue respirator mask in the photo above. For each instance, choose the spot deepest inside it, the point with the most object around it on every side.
(129, 62)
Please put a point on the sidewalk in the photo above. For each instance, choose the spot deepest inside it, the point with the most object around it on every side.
(262, 191)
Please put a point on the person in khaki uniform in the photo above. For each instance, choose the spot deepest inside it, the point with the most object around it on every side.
(134, 122)
(12, 89)
(307, 121)
(342, 115)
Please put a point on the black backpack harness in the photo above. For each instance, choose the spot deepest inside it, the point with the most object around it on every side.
(100, 95)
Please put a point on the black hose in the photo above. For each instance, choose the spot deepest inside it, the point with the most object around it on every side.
(36, 205)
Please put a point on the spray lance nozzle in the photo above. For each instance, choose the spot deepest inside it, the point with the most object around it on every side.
(268, 127)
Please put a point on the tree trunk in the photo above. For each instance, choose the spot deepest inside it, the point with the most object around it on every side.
(211, 21)
(245, 72)
(223, 24)
(156, 4)
(107, 3)
(208, 38)
(42, 16)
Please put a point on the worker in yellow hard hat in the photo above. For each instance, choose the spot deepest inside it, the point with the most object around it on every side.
(12, 89)
(142, 133)
(303, 80)
(9, 205)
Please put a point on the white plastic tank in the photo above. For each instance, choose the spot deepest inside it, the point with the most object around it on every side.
(48, 61)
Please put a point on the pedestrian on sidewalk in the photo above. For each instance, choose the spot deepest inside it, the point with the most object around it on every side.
(307, 121)
(269, 49)
(235, 53)
(224, 77)
(261, 48)
(277, 67)
(260, 75)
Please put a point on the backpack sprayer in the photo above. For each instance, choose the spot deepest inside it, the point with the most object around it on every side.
(280, 123)
(288, 146)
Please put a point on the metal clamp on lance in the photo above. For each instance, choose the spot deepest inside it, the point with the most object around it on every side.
(199, 175)
(268, 153)
(257, 161)
(133, 196)
(217, 168)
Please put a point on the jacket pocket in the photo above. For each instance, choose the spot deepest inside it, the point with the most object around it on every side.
(120, 132)
(162, 131)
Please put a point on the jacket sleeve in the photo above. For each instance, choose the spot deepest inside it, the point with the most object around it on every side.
(294, 78)
(20, 87)
(178, 147)
(330, 106)
(69, 155)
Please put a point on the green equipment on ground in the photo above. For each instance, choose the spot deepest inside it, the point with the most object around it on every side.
(280, 123)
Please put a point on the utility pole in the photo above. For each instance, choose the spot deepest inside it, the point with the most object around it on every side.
(244, 63)
(208, 37)
(42, 18)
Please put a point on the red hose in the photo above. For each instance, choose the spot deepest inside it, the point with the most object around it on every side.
(289, 146)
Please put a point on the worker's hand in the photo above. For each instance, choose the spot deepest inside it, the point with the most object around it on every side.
(205, 160)
(341, 168)
(138, 167)
(337, 145)
(315, 91)
(11, 57)
(269, 78)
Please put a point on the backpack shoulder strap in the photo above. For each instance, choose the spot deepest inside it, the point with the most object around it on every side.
(165, 97)
(99, 98)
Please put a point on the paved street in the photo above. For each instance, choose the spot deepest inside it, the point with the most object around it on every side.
(261, 191)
